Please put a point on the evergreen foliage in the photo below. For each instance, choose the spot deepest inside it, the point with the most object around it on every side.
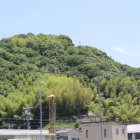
(74, 94)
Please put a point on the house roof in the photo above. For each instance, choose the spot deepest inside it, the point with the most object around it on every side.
(23, 132)
(66, 131)
(104, 122)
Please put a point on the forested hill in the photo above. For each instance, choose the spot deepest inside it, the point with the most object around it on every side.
(21, 56)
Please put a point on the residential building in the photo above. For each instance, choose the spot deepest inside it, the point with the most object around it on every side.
(69, 134)
(6, 134)
(110, 131)
(133, 130)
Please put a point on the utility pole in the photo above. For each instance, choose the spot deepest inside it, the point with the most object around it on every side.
(41, 110)
(28, 116)
(100, 103)
(100, 108)
(11, 126)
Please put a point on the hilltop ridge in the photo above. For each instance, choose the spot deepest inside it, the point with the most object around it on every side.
(23, 56)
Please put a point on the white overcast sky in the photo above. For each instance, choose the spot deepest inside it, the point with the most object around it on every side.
(112, 26)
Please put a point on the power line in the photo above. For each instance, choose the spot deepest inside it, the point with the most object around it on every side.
(90, 75)
(37, 71)
(20, 119)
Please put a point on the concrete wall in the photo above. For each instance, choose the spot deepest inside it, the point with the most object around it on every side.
(19, 139)
(120, 135)
(70, 135)
(6, 137)
(94, 131)
(108, 129)
(31, 137)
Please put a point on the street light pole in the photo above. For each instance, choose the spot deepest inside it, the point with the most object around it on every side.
(100, 108)
(41, 110)
(99, 95)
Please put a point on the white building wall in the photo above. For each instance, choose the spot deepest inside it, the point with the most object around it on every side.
(24, 134)
(133, 128)
(32, 137)
(134, 131)
(21, 137)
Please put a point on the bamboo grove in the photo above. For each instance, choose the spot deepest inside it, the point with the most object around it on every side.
(23, 56)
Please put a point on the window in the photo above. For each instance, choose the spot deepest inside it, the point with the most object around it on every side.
(104, 132)
(117, 131)
(122, 131)
(86, 133)
(137, 136)
(130, 136)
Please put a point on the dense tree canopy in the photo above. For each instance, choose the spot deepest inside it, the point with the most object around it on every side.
(22, 56)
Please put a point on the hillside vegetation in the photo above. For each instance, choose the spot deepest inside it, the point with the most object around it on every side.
(26, 60)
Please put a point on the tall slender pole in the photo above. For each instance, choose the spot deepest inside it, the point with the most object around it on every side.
(41, 110)
(27, 118)
(100, 108)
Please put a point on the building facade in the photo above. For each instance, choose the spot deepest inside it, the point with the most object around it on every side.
(69, 134)
(6, 134)
(133, 131)
(110, 131)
